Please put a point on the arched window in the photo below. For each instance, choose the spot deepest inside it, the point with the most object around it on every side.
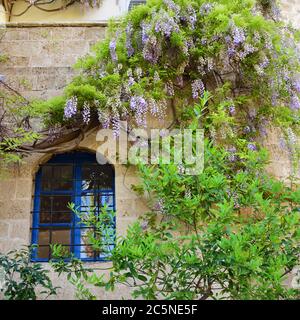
(74, 177)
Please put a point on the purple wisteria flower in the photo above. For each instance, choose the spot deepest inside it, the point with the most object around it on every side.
(206, 8)
(296, 85)
(197, 89)
(191, 17)
(104, 119)
(232, 157)
(265, 62)
(172, 6)
(238, 35)
(86, 113)
(146, 27)
(231, 51)
(140, 107)
(268, 42)
(295, 102)
(282, 143)
(247, 130)
(159, 206)
(232, 110)
(179, 81)
(112, 48)
(131, 81)
(152, 50)
(166, 24)
(263, 128)
(129, 47)
(292, 139)
(170, 89)
(156, 77)
(252, 146)
(115, 123)
(138, 72)
(157, 108)
(144, 225)
(70, 108)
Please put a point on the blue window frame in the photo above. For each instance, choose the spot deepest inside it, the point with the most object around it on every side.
(73, 177)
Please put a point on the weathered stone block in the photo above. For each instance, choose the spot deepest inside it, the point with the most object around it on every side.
(4, 226)
(94, 33)
(7, 189)
(24, 188)
(16, 209)
(20, 230)
(15, 34)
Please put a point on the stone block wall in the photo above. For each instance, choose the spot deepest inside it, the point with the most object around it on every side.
(40, 58)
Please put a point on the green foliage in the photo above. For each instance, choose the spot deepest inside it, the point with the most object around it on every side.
(99, 235)
(10, 145)
(23, 280)
(222, 234)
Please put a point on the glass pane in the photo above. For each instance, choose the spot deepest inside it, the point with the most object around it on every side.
(97, 177)
(62, 176)
(58, 177)
(46, 178)
(88, 200)
(43, 242)
(56, 236)
(87, 250)
(45, 209)
(60, 203)
(61, 217)
(108, 199)
(58, 206)
(61, 236)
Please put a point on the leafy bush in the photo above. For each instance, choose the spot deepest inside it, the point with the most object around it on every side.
(22, 278)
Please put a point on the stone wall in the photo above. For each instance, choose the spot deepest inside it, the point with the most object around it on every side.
(41, 58)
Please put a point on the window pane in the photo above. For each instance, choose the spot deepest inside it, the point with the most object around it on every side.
(62, 217)
(45, 209)
(57, 177)
(60, 203)
(43, 242)
(97, 177)
(56, 205)
(53, 236)
(61, 236)
(87, 200)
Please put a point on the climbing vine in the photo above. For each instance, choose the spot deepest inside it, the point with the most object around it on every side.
(167, 53)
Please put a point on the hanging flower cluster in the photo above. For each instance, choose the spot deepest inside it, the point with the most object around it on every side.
(70, 108)
(172, 51)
